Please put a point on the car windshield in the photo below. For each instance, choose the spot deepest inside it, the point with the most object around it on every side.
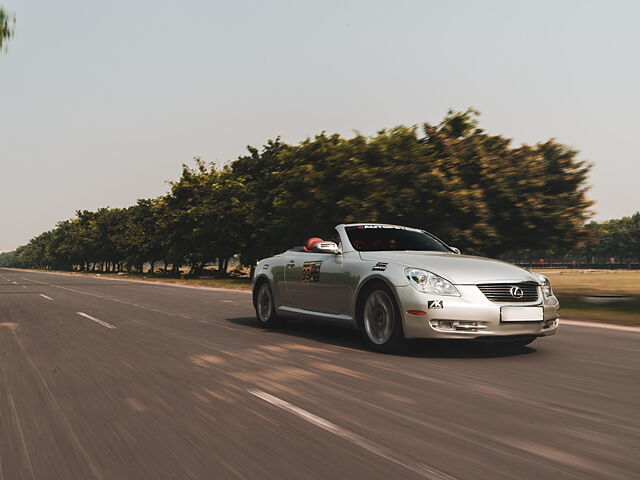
(372, 238)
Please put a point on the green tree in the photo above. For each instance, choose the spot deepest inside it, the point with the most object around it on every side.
(204, 217)
(474, 190)
(7, 25)
(528, 192)
(258, 179)
(142, 241)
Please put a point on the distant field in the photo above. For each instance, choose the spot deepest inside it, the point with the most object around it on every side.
(571, 286)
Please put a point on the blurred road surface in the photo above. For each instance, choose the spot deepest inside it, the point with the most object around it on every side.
(107, 379)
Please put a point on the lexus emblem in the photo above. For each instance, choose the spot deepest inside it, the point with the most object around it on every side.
(516, 292)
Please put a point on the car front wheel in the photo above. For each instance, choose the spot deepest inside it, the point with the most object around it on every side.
(380, 321)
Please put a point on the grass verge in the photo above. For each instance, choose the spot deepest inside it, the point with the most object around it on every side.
(573, 287)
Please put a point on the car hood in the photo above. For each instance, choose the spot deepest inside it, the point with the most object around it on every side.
(459, 269)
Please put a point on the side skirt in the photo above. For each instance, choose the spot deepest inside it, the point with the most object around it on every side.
(300, 311)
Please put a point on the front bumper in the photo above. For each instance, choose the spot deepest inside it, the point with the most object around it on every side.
(471, 306)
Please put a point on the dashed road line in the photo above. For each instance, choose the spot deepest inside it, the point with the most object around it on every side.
(45, 296)
(103, 297)
(34, 281)
(97, 320)
(607, 326)
(421, 469)
(25, 450)
(155, 284)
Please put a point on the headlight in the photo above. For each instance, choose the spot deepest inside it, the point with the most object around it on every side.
(544, 284)
(428, 282)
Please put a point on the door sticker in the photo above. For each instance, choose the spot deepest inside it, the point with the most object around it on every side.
(311, 271)
(435, 304)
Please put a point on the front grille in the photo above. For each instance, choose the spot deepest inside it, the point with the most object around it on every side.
(510, 292)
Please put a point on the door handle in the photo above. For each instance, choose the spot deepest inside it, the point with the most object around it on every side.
(291, 264)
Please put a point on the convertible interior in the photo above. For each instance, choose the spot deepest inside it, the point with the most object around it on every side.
(308, 245)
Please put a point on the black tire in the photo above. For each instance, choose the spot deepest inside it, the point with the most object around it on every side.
(265, 305)
(379, 320)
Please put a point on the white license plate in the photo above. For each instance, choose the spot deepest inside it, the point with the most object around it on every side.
(521, 314)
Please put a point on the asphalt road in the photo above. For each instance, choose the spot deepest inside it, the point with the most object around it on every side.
(111, 379)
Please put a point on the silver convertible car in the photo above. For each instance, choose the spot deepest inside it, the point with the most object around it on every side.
(395, 283)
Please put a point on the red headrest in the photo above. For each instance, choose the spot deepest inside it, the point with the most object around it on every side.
(312, 243)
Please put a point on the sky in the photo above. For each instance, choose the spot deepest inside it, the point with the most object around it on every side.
(102, 102)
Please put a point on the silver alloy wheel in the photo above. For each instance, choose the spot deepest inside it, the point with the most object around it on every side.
(378, 317)
(264, 303)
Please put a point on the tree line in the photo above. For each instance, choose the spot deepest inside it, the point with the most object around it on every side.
(477, 191)
(618, 239)
(612, 242)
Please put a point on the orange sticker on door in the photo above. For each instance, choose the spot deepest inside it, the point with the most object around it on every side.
(311, 271)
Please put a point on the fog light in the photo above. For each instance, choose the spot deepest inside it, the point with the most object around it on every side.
(459, 325)
(442, 324)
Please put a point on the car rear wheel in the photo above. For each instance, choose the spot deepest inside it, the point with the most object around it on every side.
(380, 322)
(265, 305)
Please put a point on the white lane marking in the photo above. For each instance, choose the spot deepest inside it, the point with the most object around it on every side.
(82, 292)
(44, 296)
(406, 462)
(157, 284)
(24, 286)
(104, 324)
(15, 283)
(240, 303)
(608, 326)
(150, 324)
(25, 450)
(145, 307)
(34, 281)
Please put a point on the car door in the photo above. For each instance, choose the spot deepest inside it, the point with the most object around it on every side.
(315, 282)
(292, 274)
